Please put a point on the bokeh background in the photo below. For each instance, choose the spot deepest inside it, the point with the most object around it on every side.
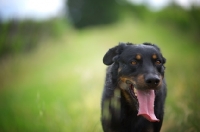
(51, 70)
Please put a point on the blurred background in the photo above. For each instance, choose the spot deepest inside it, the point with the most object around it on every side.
(51, 70)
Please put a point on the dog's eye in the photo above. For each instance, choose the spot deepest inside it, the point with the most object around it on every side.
(158, 62)
(134, 63)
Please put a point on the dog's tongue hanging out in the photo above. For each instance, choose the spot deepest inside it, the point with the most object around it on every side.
(146, 104)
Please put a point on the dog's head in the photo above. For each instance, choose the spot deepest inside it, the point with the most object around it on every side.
(140, 69)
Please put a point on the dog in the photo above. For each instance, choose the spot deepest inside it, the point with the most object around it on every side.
(135, 89)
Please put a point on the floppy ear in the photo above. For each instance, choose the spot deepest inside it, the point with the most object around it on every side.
(112, 54)
(164, 60)
(108, 57)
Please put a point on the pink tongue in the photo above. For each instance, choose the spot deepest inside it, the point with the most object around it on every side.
(146, 104)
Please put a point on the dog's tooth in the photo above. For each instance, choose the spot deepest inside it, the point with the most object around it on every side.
(135, 92)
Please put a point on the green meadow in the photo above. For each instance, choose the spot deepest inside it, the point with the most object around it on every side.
(57, 86)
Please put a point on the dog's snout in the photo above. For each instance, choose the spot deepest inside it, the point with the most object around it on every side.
(152, 80)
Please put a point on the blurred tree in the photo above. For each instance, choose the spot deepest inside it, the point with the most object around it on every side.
(195, 16)
(185, 20)
(174, 14)
(22, 36)
(92, 12)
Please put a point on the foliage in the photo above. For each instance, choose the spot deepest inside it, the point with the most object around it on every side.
(19, 36)
(140, 12)
(85, 13)
(182, 19)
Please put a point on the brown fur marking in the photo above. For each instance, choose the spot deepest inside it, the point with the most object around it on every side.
(138, 57)
(154, 56)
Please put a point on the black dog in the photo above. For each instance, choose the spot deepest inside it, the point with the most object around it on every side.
(135, 90)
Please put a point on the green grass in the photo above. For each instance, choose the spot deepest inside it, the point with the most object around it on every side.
(58, 86)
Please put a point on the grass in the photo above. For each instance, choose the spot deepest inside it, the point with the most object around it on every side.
(58, 86)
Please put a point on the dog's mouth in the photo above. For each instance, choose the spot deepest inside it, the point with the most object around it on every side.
(145, 99)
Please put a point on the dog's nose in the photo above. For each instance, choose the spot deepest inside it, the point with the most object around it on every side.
(152, 80)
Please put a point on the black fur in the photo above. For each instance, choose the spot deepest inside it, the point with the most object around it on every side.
(119, 108)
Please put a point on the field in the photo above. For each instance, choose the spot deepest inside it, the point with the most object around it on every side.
(57, 87)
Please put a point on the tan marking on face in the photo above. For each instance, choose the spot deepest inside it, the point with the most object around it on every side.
(127, 96)
(129, 79)
(129, 99)
(140, 81)
(154, 56)
(122, 84)
(161, 81)
(138, 57)
(123, 79)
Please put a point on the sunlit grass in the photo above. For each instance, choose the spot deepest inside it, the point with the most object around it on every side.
(58, 86)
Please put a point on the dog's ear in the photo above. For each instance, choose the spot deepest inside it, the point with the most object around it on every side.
(164, 60)
(112, 54)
